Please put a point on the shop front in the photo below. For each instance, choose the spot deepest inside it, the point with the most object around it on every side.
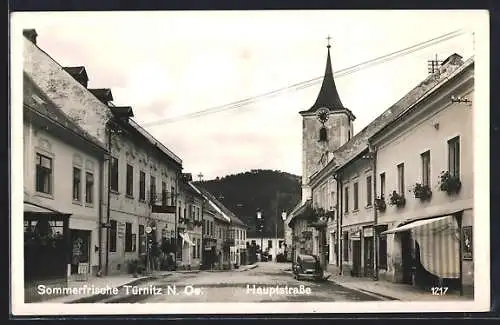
(427, 252)
(46, 249)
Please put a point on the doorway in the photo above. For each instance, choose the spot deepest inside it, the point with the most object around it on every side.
(356, 258)
(407, 257)
(80, 248)
(368, 256)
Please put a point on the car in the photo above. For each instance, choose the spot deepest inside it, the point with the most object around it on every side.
(308, 267)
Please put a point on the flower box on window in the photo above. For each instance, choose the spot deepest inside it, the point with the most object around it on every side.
(449, 183)
(380, 203)
(397, 199)
(422, 192)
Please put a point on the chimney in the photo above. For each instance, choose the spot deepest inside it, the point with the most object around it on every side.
(30, 34)
(451, 63)
(79, 74)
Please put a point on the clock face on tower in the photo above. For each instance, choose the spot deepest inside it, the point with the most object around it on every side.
(323, 114)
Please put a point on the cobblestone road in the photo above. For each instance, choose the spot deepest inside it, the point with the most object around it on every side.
(266, 283)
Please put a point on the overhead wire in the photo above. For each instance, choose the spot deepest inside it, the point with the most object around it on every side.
(309, 83)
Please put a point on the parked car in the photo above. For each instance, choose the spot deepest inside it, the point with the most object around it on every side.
(308, 267)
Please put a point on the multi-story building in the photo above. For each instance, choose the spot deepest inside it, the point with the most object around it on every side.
(424, 168)
(140, 178)
(190, 225)
(62, 218)
(341, 174)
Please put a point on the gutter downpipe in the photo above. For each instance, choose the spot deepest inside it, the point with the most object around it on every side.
(101, 200)
(373, 151)
(108, 187)
(339, 221)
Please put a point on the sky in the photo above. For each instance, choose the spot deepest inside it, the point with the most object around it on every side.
(167, 64)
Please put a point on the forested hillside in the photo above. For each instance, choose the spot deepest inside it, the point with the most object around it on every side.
(269, 190)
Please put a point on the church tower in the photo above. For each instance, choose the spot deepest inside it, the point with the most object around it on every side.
(326, 126)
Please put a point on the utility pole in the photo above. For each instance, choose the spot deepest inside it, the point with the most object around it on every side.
(276, 225)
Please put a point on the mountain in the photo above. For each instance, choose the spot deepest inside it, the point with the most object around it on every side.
(245, 193)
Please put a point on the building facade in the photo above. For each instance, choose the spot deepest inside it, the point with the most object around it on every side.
(372, 230)
(425, 174)
(62, 228)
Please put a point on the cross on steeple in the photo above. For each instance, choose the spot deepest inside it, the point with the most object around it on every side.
(328, 39)
(200, 176)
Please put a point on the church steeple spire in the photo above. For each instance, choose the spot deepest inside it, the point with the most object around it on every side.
(328, 96)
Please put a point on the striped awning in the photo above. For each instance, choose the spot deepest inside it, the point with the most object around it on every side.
(438, 241)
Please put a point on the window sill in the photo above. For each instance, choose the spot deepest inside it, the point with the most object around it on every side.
(129, 196)
(114, 192)
(368, 207)
(45, 195)
(77, 202)
(355, 211)
(89, 205)
(142, 200)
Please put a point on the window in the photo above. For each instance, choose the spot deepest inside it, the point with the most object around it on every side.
(454, 157)
(163, 193)
(368, 191)
(43, 174)
(401, 179)
(142, 240)
(89, 188)
(77, 184)
(128, 237)
(323, 135)
(382, 249)
(112, 236)
(114, 174)
(345, 246)
(142, 186)
(270, 244)
(152, 189)
(348, 135)
(382, 184)
(355, 194)
(172, 197)
(426, 167)
(194, 250)
(346, 200)
(130, 180)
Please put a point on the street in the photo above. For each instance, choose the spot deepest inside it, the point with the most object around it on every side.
(269, 282)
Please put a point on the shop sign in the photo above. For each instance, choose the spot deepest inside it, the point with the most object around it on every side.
(467, 243)
(368, 232)
(355, 233)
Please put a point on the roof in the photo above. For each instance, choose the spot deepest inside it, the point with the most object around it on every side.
(300, 210)
(328, 95)
(359, 142)
(218, 206)
(35, 99)
(155, 142)
(467, 64)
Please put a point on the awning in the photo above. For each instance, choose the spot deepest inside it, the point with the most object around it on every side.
(414, 224)
(34, 210)
(185, 238)
(438, 245)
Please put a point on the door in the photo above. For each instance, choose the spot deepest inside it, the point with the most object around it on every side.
(368, 256)
(80, 247)
(356, 257)
(407, 257)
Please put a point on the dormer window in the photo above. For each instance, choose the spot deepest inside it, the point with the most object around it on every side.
(323, 137)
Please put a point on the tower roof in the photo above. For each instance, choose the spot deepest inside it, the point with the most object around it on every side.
(328, 96)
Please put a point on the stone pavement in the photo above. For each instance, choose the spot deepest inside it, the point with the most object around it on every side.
(389, 290)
